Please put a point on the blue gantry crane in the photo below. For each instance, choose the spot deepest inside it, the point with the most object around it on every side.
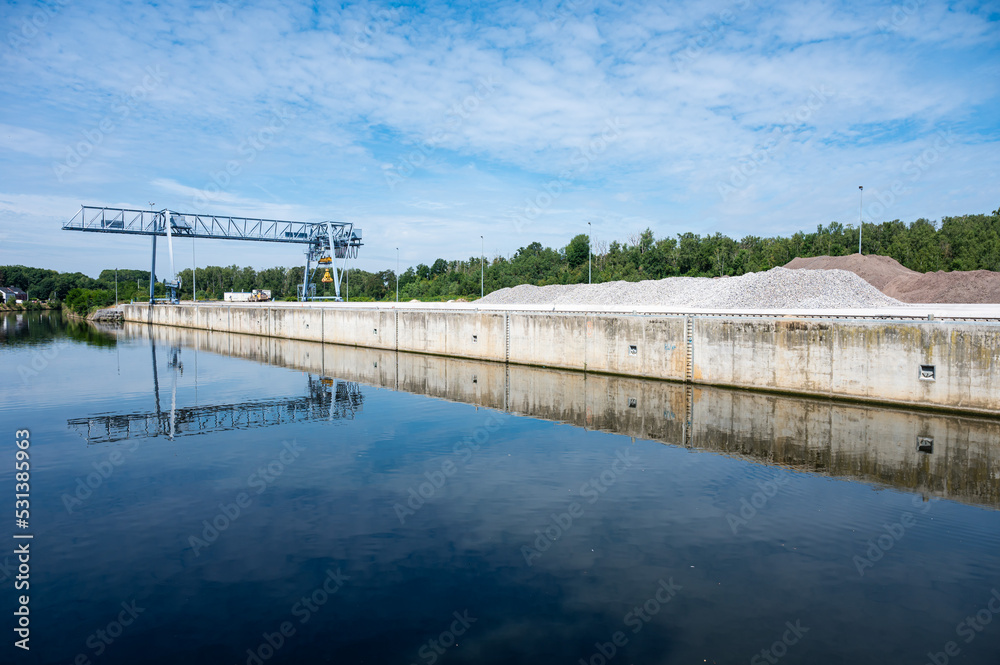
(329, 245)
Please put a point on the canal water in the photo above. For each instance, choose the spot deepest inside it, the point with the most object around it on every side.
(210, 498)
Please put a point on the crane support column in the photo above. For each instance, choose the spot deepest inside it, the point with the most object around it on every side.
(305, 280)
(173, 285)
(170, 243)
(152, 273)
(333, 255)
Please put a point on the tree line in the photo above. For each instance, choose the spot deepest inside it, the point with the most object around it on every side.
(967, 242)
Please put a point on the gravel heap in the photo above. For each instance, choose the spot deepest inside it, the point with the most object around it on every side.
(778, 288)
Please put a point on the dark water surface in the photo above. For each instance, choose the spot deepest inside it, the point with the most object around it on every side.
(194, 495)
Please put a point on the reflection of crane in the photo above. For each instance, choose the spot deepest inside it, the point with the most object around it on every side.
(326, 241)
(326, 399)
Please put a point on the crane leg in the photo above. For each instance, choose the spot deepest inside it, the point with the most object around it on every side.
(152, 273)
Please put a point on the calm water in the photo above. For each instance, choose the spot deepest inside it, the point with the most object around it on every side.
(224, 499)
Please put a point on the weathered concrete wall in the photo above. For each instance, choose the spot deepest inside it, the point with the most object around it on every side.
(374, 328)
(291, 324)
(870, 360)
(600, 343)
(950, 456)
(481, 335)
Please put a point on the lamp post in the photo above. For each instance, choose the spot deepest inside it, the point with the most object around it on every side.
(116, 287)
(589, 231)
(861, 196)
(397, 274)
(482, 267)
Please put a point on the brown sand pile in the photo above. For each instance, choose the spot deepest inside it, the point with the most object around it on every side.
(974, 286)
(878, 271)
(894, 280)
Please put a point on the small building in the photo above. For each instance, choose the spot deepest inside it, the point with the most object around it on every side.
(12, 294)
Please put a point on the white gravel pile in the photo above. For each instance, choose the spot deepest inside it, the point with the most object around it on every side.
(778, 288)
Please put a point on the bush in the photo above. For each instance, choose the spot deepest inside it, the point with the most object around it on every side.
(82, 301)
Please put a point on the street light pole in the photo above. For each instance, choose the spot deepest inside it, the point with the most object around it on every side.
(861, 196)
(397, 274)
(116, 287)
(589, 232)
(482, 267)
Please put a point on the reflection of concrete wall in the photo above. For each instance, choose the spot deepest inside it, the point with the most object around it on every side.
(876, 360)
(961, 458)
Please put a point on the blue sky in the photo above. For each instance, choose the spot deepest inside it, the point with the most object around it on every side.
(428, 125)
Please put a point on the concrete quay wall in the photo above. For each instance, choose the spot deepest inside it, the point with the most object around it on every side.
(951, 365)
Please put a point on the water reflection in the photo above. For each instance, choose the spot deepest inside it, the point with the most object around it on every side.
(551, 535)
(13, 326)
(954, 457)
(324, 399)
(42, 327)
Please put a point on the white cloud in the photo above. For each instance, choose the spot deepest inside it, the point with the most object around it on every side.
(699, 88)
(27, 141)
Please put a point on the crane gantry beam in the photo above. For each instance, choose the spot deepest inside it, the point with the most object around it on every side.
(335, 240)
(151, 223)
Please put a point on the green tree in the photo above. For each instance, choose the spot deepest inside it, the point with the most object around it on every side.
(577, 250)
